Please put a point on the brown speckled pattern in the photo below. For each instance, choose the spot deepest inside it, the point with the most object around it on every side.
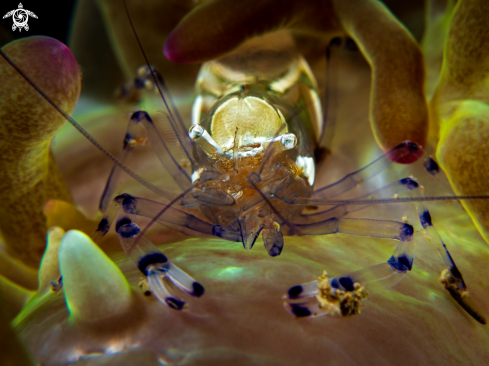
(30, 175)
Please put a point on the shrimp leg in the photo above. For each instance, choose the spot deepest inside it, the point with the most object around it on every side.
(151, 261)
(451, 277)
(148, 208)
(344, 295)
(147, 257)
(159, 147)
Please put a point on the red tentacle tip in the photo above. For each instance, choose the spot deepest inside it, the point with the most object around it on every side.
(406, 153)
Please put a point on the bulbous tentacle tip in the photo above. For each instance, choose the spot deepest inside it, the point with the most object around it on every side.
(178, 49)
(53, 68)
(415, 139)
(167, 51)
(94, 287)
(28, 124)
(405, 153)
(410, 159)
(173, 51)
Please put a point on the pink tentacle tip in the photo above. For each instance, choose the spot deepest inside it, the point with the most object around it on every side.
(175, 51)
(49, 62)
(61, 57)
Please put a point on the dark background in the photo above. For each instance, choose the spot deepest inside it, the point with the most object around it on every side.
(54, 18)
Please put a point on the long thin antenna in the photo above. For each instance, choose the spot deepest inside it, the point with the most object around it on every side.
(137, 177)
(322, 202)
(329, 112)
(182, 135)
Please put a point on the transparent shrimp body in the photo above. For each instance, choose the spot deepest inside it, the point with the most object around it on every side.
(254, 123)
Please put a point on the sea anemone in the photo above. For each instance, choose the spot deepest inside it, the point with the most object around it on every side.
(102, 317)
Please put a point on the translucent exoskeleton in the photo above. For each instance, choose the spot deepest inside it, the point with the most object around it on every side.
(256, 125)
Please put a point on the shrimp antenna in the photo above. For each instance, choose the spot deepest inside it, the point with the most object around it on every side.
(179, 129)
(329, 111)
(137, 177)
(326, 202)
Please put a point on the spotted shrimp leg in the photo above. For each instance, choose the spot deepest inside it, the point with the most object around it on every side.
(352, 180)
(344, 295)
(432, 167)
(451, 277)
(159, 147)
(161, 150)
(361, 175)
(342, 210)
(152, 262)
(173, 115)
(387, 191)
(148, 208)
(148, 258)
